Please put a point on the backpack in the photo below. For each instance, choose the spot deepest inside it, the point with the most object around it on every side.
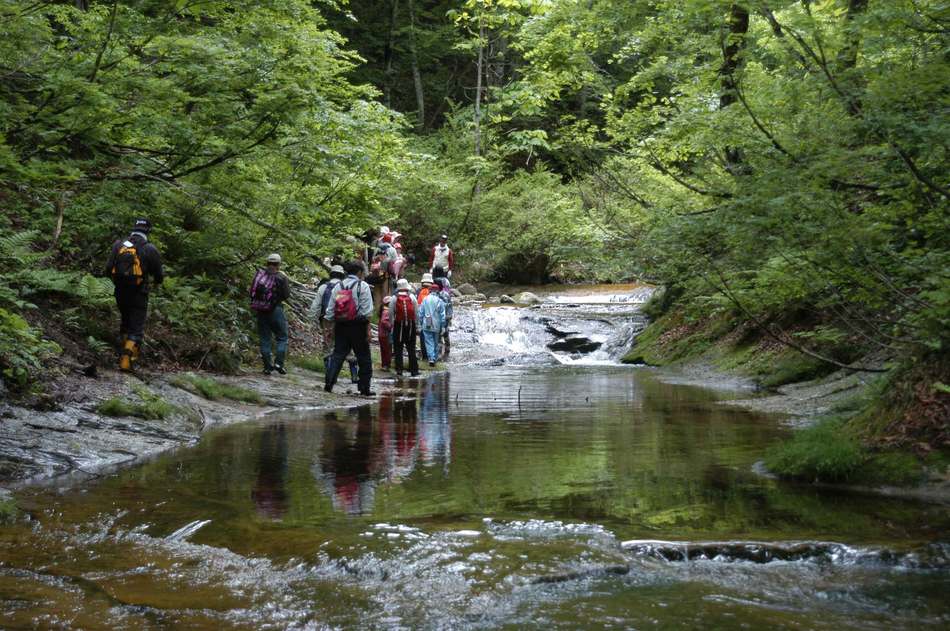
(404, 310)
(345, 307)
(325, 301)
(264, 291)
(127, 269)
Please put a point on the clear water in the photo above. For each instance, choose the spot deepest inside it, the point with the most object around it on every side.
(490, 497)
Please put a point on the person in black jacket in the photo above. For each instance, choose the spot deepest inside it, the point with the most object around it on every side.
(132, 262)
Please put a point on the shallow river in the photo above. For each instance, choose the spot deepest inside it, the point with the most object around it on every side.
(492, 496)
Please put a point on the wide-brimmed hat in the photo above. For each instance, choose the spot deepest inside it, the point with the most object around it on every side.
(273, 258)
(387, 299)
(427, 278)
(337, 269)
(402, 285)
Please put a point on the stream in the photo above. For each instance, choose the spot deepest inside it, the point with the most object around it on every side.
(536, 484)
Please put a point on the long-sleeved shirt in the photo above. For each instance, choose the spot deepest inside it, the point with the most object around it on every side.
(149, 257)
(362, 293)
(431, 313)
(321, 293)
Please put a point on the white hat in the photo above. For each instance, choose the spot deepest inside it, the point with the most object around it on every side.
(273, 258)
(337, 269)
(427, 278)
(384, 230)
(402, 285)
(387, 299)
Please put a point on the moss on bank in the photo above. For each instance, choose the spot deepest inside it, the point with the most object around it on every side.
(215, 390)
(150, 406)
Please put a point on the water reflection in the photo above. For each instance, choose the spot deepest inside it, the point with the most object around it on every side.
(269, 493)
(360, 450)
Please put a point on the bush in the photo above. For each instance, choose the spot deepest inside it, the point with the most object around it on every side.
(22, 351)
(823, 452)
(215, 390)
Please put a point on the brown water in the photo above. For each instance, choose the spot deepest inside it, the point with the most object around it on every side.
(464, 504)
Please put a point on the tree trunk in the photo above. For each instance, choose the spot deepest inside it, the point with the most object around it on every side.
(738, 27)
(478, 88)
(416, 75)
(848, 57)
(390, 53)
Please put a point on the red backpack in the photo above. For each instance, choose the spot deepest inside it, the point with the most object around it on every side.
(345, 308)
(404, 310)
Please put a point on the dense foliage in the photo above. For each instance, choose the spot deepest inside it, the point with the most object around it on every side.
(779, 166)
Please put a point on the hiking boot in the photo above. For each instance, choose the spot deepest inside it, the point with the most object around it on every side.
(129, 354)
(280, 369)
(368, 393)
(431, 364)
(328, 388)
(267, 371)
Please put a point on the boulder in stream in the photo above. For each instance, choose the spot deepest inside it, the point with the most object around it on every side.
(575, 345)
(526, 298)
(506, 300)
(467, 289)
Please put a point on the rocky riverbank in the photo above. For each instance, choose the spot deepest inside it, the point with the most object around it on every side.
(113, 420)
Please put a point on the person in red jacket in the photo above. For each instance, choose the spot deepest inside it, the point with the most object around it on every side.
(442, 256)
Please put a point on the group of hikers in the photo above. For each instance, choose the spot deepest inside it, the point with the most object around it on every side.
(344, 306)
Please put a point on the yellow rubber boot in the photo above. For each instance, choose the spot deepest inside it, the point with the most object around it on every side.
(129, 353)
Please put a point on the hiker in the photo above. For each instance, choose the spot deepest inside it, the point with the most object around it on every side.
(318, 310)
(130, 264)
(397, 266)
(384, 258)
(438, 276)
(350, 310)
(385, 331)
(402, 311)
(442, 256)
(269, 289)
(432, 322)
(426, 287)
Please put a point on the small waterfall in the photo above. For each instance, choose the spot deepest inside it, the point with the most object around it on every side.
(571, 329)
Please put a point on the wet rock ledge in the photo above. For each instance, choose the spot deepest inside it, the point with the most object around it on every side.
(114, 420)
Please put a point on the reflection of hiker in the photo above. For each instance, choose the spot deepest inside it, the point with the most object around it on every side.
(269, 289)
(345, 464)
(131, 262)
(385, 333)
(318, 310)
(442, 256)
(350, 309)
(403, 315)
(432, 323)
(438, 276)
(270, 494)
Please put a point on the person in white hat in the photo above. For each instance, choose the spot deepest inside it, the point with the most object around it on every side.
(269, 290)
(426, 285)
(403, 315)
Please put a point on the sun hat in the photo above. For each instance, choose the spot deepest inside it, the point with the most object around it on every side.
(402, 285)
(427, 278)
(387, 299)
(273, 258)
(337, 269)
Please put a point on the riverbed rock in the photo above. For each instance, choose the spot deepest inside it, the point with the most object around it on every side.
(575, 345)
(506, 300)
(456, 293)
(467, 289)
(527, 298)
(479, 298)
